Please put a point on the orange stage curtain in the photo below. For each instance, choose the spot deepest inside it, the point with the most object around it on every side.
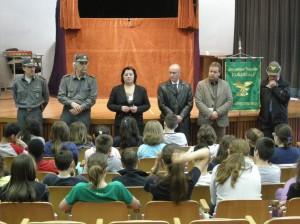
(187, 15)
(69, 15)
(150, 45)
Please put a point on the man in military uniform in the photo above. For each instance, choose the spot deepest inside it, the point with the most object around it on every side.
(78, 92)
(30, 93)
(274, 100)
(175, 97)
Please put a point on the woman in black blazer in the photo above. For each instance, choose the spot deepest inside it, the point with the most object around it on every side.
(128, 99)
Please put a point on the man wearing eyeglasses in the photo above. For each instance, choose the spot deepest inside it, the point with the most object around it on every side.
(175, 97)
(31, 94)
(78, 92)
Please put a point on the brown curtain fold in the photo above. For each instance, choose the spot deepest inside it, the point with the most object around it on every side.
(149, 45)
(187, 14)
(69, 15)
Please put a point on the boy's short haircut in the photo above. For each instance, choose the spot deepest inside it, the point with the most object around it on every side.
(11, 129)
(265, 148)
(129, 158)
(63, 159)
(171, 121)
(103, 143)
(36, 149)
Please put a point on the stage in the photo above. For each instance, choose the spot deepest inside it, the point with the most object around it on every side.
(239, 120)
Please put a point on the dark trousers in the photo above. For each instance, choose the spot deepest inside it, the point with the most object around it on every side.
(185, 127)
(24, 114)
(84, 117)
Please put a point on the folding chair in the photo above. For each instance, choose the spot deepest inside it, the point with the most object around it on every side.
(89, 212)
(186, 211)
(293, 207)
(235, 209)
(27, 221)
(201, 192)
(284, 220)
(287, 173)
(40, 175)
(14, 212)
(56, 194)
(146, 164)
(268, 190)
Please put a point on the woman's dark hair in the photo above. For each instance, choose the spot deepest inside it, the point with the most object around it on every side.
(100, 130)
(223, 148)
(20, 188)
(96, 167)
(129, 133)
(129, 68)
(176, 178)
(32, 127)
(206, 136)
(284, 134)
(59, 133)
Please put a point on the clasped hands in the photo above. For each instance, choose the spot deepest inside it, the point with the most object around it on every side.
(214, 116)
(76, 108)
(126, 109)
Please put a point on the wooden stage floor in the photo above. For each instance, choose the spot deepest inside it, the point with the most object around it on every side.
(239, 120)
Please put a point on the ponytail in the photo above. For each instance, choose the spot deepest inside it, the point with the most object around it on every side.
(95, 174)
(230, 167)
(96, 165)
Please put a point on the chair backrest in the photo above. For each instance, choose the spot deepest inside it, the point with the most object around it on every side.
(143, 196)
(27, 221)
(140, 222)
(293, 207)
(48, 158)
(146, 164)
(220, 221)
(268, 190)
(287, 173)
(14, 212)
(8, 161)
(89, 212)
(236, 209)
(201, 192)
(111, 175)
(284, 220)
(40, 175)
(82, 153)
(56, 194)
(186, 211)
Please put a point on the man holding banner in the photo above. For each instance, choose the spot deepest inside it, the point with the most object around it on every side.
(274, 99)
(213, 98)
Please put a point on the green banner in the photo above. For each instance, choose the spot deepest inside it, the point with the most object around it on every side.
(243, 76)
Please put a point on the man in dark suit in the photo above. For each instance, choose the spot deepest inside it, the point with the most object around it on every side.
(175, 97)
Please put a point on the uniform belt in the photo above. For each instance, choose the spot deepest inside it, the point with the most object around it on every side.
(29, 109)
